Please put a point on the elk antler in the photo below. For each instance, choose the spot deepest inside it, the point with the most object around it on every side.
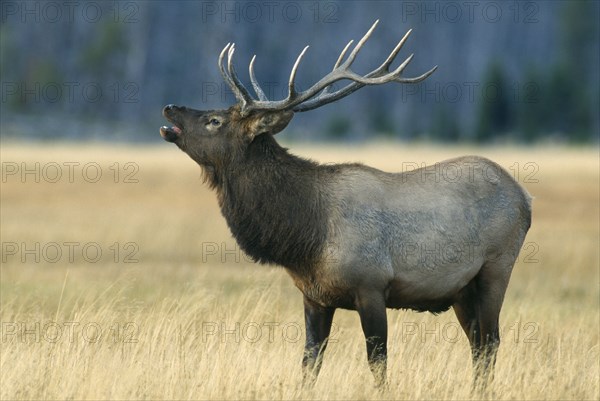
(306, 100)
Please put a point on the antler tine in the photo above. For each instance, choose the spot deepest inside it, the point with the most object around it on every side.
(416, 79)
(359, 45)
(396, 73)
(291, 85)
(394, 53)
(238, 88)
(342, 54)
(259, 92)
(222, 67)
(336, 65)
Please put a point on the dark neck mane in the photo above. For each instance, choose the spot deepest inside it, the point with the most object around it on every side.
(273, 204)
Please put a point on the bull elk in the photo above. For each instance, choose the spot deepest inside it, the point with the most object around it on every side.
(352, 236)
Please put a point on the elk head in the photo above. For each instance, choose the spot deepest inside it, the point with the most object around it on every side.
(213, 137)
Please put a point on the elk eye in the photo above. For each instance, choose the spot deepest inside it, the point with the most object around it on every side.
(214, 122)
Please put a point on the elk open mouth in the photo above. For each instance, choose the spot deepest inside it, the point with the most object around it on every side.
(170, 134)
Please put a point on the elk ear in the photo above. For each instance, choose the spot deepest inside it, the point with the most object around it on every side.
(269, 122)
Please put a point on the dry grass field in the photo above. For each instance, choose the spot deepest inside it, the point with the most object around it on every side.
(129, 286)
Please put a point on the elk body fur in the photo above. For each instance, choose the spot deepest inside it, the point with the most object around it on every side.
(358, 238)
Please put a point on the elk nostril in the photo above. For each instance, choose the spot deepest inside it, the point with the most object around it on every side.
(169, 109)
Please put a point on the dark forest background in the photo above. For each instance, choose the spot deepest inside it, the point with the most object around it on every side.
(522, 71)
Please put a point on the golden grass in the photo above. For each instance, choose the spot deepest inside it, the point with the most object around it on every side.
(191, 318)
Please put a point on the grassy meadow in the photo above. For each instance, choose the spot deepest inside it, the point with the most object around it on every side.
(120, 280)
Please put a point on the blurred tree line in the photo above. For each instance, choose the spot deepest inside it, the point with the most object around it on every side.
(557, 99)
(520, 71)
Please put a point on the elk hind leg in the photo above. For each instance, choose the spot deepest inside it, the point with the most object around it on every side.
(478, 311)
(492, 282)
(466, 309)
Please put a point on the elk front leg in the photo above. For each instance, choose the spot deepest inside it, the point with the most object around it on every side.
(371, 308)
(318, 321)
